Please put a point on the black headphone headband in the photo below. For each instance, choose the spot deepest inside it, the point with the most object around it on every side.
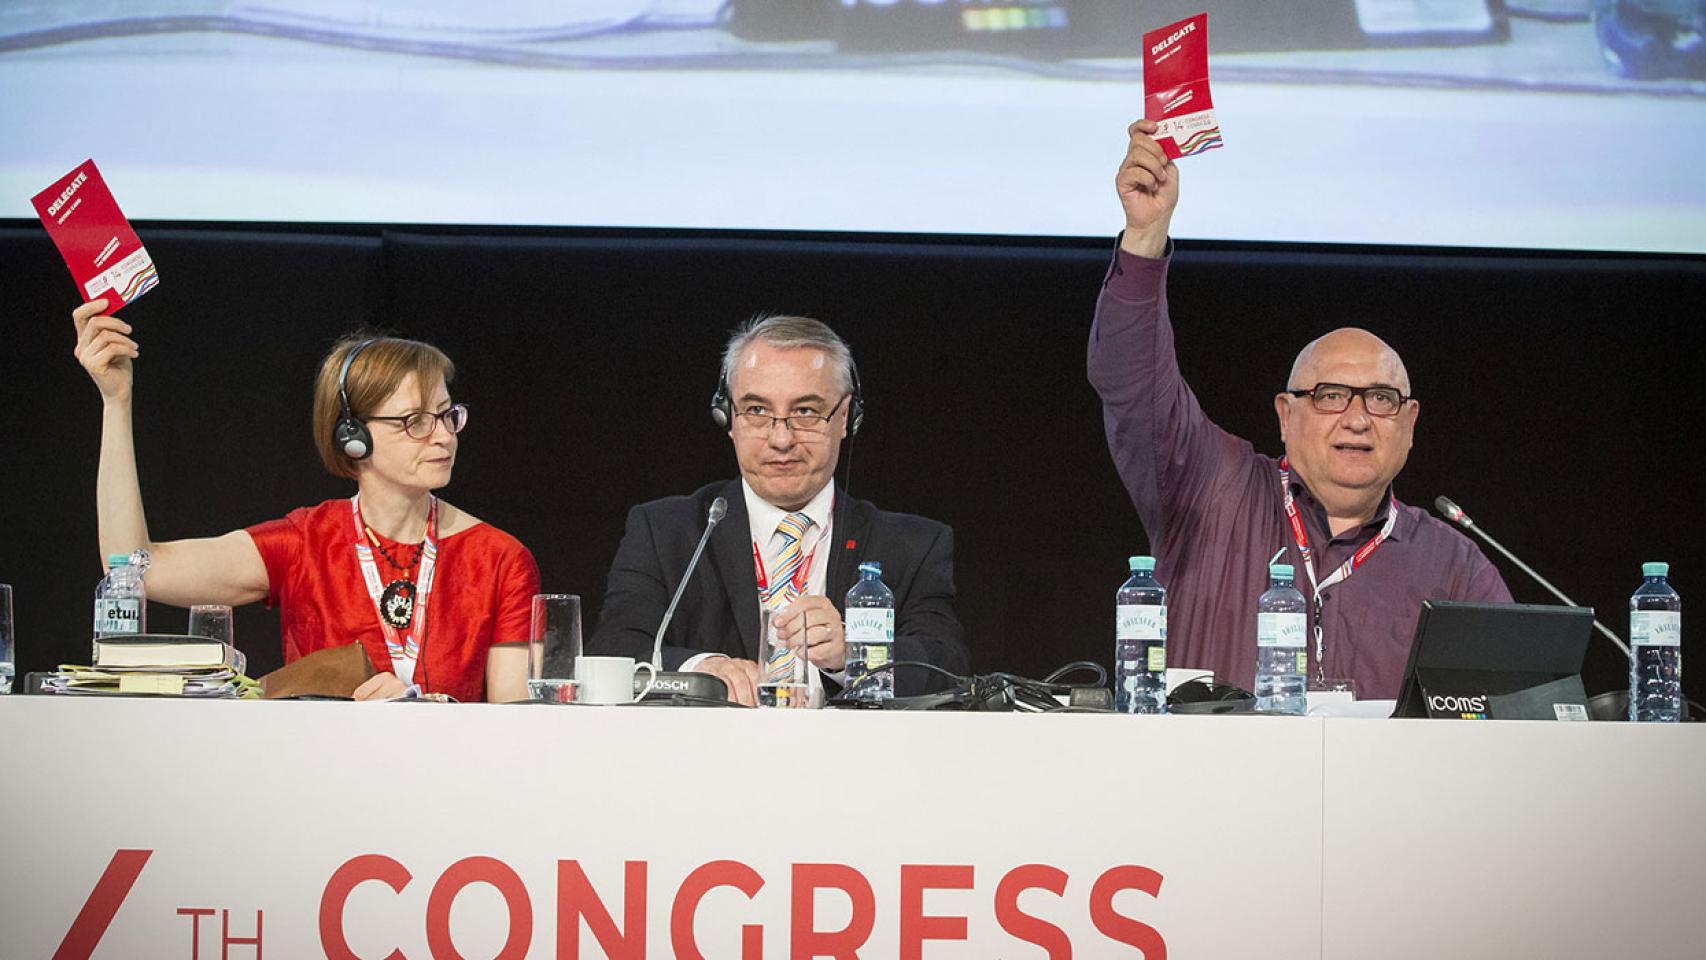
(343, 376)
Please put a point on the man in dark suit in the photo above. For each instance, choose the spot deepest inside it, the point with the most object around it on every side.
(790, 542)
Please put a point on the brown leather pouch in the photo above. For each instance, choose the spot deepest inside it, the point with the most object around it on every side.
(334, 672)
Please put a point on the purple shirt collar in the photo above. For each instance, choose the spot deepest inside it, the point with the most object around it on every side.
(1315, 518)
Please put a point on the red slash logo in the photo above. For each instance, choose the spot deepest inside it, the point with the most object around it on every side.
(103, 903)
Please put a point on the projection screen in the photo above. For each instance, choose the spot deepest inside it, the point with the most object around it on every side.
(1554, 124)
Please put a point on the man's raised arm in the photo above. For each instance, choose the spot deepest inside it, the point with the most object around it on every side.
(1165, 448)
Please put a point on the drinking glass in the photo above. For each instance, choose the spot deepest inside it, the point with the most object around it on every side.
(213, 621)
(553, 644)
(784, 682)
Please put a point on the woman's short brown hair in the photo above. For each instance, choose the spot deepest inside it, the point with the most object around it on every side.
(376, 373)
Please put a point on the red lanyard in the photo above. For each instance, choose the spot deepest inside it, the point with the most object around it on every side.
(1344, 570)
(406, 650)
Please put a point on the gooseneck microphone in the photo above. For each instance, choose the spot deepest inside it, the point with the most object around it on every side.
(719, 507)
(673, 684)
(1455, 514)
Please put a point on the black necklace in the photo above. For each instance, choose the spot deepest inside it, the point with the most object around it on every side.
(405, 567)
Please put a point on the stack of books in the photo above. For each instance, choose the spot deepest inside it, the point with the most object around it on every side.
(158, 665)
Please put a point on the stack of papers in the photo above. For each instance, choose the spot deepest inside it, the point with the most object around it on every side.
(158, 665)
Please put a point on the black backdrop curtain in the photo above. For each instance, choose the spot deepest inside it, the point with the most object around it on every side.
(1559, 398)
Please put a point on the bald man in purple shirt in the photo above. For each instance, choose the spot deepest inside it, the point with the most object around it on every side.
(1216, 510)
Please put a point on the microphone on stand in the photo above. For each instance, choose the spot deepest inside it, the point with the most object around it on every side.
(1455, 514)
(673, 684)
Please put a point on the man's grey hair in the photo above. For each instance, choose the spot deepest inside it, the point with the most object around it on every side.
(789, 333)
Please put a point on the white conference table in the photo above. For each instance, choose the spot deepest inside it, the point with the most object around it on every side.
(161, 828)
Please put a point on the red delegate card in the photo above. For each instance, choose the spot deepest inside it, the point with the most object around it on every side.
(1175, 87)
(105, 256)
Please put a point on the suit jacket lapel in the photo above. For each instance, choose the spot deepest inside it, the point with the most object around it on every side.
(731, 551)
(852, 524)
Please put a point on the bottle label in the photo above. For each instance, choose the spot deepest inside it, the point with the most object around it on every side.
(1158, 659)
(1140, 621)
(1280, 630)
(870, 625)
(1655, 628)
(117, 617)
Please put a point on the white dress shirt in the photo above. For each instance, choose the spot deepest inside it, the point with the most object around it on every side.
(764, 518)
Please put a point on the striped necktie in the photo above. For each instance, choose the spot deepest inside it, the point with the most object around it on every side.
(781, 590)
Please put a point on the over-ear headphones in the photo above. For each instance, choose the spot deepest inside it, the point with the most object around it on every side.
(723, 412)
(350, 435)
(1199, 697)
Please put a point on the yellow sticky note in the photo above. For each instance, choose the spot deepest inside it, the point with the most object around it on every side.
(167, 684)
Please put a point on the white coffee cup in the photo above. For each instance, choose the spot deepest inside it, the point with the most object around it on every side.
(611, 679)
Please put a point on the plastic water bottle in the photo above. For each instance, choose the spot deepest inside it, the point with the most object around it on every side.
(870, 635)
(1655, 635)
(1282, 645)
(1140, 641)
(6, 638)
(121, 604)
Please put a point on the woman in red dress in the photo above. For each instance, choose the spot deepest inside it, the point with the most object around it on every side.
(429, 590)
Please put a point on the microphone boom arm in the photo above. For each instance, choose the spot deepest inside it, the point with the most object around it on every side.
(719, 507)
(1455, 514)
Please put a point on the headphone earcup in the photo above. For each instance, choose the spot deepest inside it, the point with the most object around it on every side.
(351, 436)
(722, 413)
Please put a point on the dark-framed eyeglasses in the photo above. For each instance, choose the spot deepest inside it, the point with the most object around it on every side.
(1336, 398)
(803, 424)
(420, 424)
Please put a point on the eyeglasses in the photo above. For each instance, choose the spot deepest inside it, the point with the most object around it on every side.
(804, 424)
(1336, 398)
(420, 424)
